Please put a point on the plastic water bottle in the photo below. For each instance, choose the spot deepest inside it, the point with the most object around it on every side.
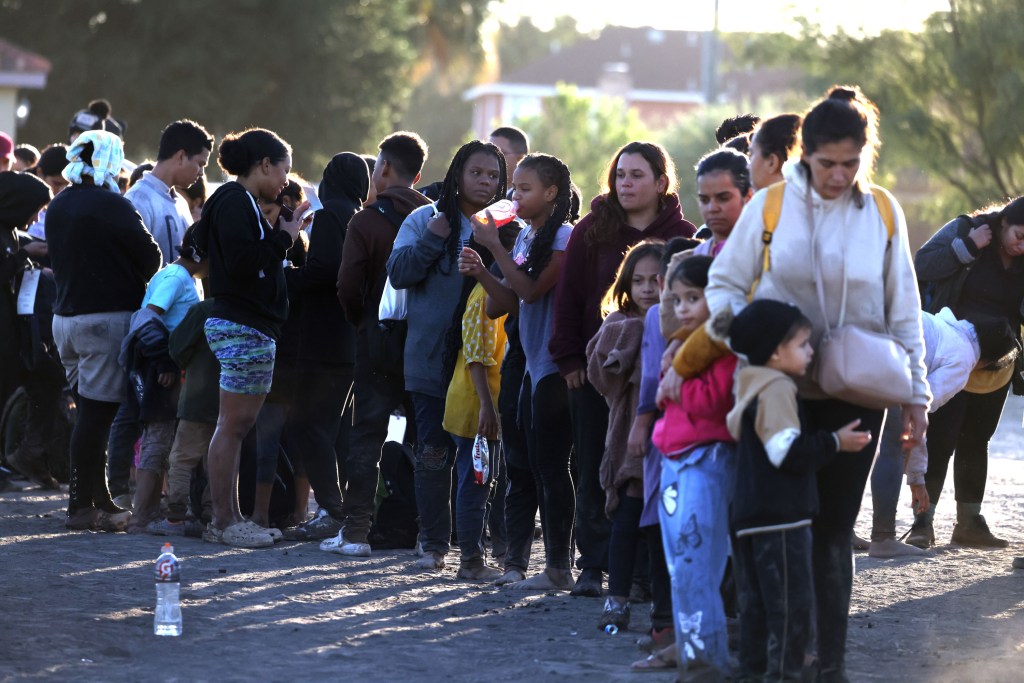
(503, 211)
(167, 616)
(611, 629)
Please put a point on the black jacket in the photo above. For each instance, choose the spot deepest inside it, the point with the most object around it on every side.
(102, 254)
(327, 339)
(246, 261)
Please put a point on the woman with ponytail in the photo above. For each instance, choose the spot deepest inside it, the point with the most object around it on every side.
(832, 216)
(424, 262)
(542, 185)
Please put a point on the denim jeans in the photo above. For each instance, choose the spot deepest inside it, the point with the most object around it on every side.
(840, 490)
(589, 413)
(776, 598)
(471, 500)
(694, 513)
(887, 477)
(434, 457)
(124, 433)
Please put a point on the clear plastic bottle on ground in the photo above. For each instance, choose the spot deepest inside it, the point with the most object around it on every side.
(167, 616)
(503, 211)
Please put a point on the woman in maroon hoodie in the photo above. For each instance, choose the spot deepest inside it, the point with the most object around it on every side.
(640, 203)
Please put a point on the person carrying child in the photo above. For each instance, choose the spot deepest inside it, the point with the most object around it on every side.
(776, 493)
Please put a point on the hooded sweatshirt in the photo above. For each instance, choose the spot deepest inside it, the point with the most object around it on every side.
(326, 338)
(776, 487)
(368, 244)
(587, 274)
(246, 261)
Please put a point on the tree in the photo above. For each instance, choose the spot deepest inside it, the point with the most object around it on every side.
(583, 133)
(327, 76)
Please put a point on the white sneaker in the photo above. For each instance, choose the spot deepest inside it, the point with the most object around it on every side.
(342, 546)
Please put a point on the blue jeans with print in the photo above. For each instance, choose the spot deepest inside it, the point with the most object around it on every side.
(695, 494)
(434, 456)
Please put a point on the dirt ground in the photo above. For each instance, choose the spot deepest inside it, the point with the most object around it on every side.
(79, 607)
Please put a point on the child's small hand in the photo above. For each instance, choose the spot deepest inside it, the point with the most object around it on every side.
(165, 379)
(670, 389)
(470, 263)
(636, 444)
(670, 353)
(919, 500)
(488, 424)
(852, 441)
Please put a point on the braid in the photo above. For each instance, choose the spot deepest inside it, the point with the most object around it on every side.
(551, 171)
(448, 200)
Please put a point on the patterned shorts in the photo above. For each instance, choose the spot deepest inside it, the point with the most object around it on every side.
(246, 356)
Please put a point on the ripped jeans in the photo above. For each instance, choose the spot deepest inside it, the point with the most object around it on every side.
(434, 457)
(694, 510)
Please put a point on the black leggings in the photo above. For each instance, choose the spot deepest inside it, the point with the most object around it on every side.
(88, 454)
(963, 425)
(545, 414)
(622, 543)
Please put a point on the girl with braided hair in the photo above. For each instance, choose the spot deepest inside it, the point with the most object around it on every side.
(423, 262)
(543, 187)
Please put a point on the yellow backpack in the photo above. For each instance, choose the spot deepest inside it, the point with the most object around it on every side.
(773, 208)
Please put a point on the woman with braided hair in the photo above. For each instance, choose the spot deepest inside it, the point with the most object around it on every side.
(543, 187)
(424, 263)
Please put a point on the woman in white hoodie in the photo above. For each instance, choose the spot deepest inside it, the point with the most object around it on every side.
(829, 215)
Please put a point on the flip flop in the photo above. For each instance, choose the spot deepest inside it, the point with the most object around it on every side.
(655, 662)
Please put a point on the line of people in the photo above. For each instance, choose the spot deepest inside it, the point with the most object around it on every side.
(646, 387)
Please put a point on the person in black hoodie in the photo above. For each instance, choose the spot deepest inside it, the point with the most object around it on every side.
(246, 256)
(326, 346)
(102, 257)
(776, 488)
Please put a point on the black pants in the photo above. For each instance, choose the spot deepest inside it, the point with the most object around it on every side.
(661, 584)
(964, 425)
(623, 543)
(317, 408)
(376, 397)
(589, 413)
(840, 489)
(87, 486)
(516, 495)
(545, 413)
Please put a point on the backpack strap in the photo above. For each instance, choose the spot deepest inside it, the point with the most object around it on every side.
(884, 203)
(770, 217)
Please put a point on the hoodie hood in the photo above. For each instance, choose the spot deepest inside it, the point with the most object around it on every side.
(671, 214)
(21, 196)
(750, 382)
(405, 199)
(346, 177)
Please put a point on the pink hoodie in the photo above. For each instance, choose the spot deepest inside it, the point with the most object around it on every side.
(700, 415)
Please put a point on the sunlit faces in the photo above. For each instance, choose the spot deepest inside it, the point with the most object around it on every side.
(478, 185)
(689, 305)
(720, 202)
(377, 180)
(764, 169)
(643, 289)
(534, 199)
(188, 169)
(834, 167)
(1012, 240)
(637, 188)
(793, 357)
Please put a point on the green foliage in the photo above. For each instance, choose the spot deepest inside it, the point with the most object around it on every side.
(522, 43)
(584, 134)
(327, 76)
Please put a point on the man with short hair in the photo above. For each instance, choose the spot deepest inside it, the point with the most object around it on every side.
(371, 235)
(184, 151)
(514, 144)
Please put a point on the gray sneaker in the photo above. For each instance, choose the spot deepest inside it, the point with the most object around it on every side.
(320, 527)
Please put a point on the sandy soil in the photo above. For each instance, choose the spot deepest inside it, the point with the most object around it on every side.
(79, 607)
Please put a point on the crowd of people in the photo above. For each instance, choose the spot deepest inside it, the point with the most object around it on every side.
(649, 390)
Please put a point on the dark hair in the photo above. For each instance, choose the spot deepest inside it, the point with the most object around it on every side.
(673, 247)
(197, 190)
(997, 216)
(801, 323)
(551, 171)
(370, 160)
(740, 143)
(845, 114)
(731, 162)
(619, 297)
(778, 136)
(239, 152)
(609, 214)
(998, 344)
(293, 190)
(96, 116)
(136, 175)
(406, 152)
(517, 139)
(692, 271)
(52, 160)
(27, 154)
(735, 125)
(188, 247)
(448, 201)
(186, 135)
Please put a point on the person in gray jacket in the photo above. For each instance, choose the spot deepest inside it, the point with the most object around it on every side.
(423, 262)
